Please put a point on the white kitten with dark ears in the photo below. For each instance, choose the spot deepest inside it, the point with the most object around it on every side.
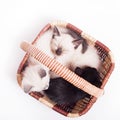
(62, 47)
(89, 58)
(35, 78)
(36, 75)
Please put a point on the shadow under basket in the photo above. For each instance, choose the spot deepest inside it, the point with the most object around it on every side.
(82, 106)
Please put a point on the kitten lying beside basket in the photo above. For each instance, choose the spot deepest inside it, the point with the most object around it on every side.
(71, 50)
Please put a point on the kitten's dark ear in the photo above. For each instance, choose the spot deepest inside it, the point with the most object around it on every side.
(80, 41)
(77, 43)
(56, 31)
(74, 34)
(85, 46)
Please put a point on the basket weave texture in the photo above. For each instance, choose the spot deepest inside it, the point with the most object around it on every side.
(82, 106)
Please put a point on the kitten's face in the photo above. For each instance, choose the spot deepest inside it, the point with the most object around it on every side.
(66, 42)
(61, 43)
(35, 78)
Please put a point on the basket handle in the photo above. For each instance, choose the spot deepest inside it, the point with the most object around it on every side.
(61, 70)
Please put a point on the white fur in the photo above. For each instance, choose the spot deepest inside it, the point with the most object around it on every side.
(65, 42)
(89, 58)
(32, 80)
(70, 57)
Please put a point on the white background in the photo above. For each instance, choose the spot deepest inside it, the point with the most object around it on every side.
(23, 19)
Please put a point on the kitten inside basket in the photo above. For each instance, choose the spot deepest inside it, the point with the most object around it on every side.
(71, 50)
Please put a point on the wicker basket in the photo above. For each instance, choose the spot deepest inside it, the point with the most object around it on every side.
(82, 106)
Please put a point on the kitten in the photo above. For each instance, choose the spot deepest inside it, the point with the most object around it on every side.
(35, 78)
(63, 45)
(89, 57)
(36, 75)
(72, 50)
(63, 92)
